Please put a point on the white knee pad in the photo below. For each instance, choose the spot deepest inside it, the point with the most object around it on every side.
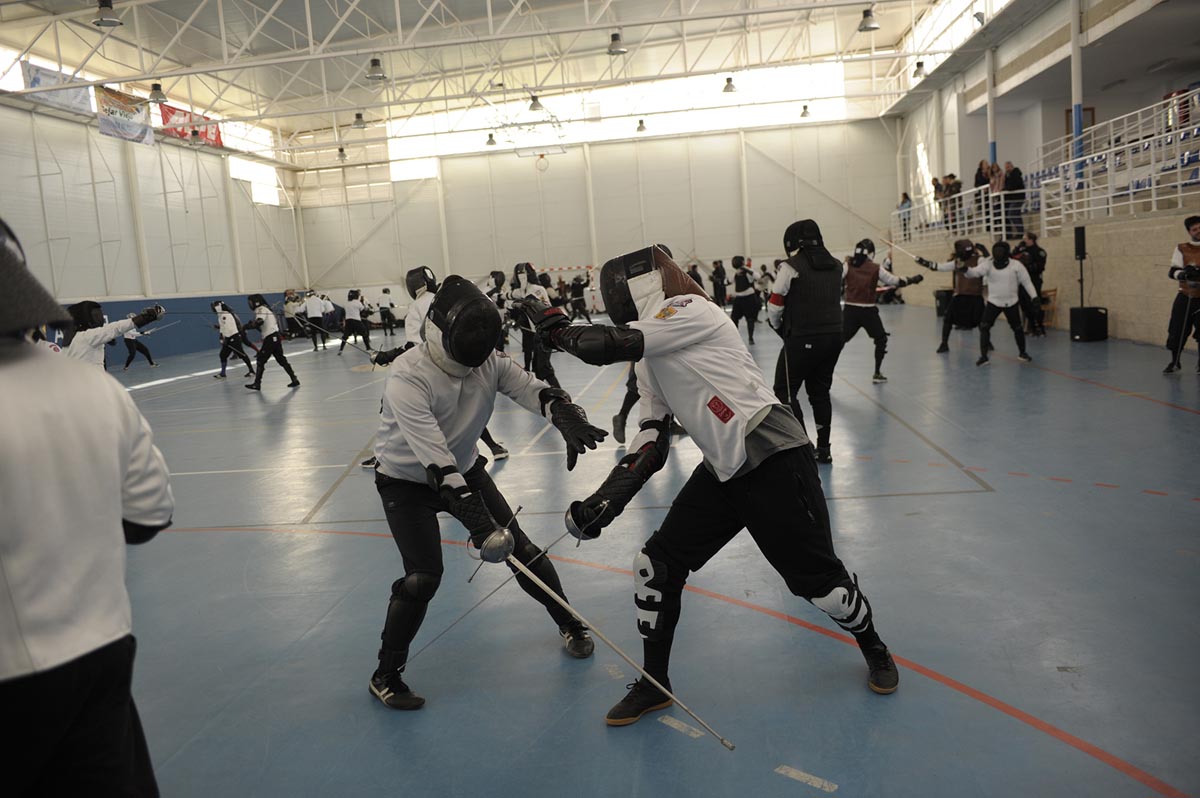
(647, 596)
(847, 606)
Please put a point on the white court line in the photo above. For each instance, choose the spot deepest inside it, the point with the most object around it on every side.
(254, 470)
(806, 778)
(352, 390)
(680, 726)
(547, 426)
(169, 380)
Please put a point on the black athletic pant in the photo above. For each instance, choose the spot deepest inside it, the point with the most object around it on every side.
(809, 361)
(578, 308)
(746, 307)
(780, 503)
(272, 346)
(295, 328)
(528, 347)
(355, 327)
(965, 310)
(411, 509)
(631, 393)
(1185, 321)
(134, 346)
(74, 729)
(314, 326)
(232, 345)
(855, 318)
(990, 313)
(387, 320)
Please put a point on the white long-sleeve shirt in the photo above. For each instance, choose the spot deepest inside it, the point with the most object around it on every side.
(695, 366)
(88, 345)
(314, 306)
(417, 311)
(227, 323)
(1003, 284)
(780, 288)
(270, 325)
(67, 479)
(429, 417)
(354, 309)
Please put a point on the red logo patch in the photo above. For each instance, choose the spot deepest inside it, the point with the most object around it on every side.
(720, 409)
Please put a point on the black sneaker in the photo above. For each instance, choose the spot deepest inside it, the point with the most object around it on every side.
(370, 462)
(218, 376)
(824, 455)
(254, 387)
(878, 377)
(248, 373)
(499, 452)
(943, 347)
(295, 383)
(618, 424)
(1024, 357)
(882, 676)
(393, 692)
(576, 640)
(1171, 368)
(642, 697)
(982, 361)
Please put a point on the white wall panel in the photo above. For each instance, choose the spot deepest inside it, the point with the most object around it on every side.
(417, 229)
(563, 190)
(663, 167)
(517, 211)
(716, 195)
(470, 223)
(618, 200)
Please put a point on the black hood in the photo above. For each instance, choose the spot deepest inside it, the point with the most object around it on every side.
(24, 303)
(803, 240)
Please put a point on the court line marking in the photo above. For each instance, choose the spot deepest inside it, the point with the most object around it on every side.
(169, 380)
(680, 726)
(806, 778)
(961, 467)
(1086, 381)
(356, 388)
(253, 470)
(1118, 764)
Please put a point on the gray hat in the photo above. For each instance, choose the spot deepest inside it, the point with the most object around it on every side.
(24, 303)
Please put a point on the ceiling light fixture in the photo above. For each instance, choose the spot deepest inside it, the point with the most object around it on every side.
(980, 17)
(804, 113)
(359, 122)
(615, 47)
(491, 142)
(641, 126)
(729, 87)
(375, 70)
(535, 104)
(919, 72)
(105, 16)
(156, 94)
(341, 156)
(868, 23)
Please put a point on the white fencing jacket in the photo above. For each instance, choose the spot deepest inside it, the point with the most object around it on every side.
(696, 367)
(88, 345)
(67, 479)
(429, 417)
(1003, 284)
(417, 311)
(227, 323)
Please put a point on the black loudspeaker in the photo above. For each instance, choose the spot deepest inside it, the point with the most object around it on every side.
(1080, 243)
(1089, 324)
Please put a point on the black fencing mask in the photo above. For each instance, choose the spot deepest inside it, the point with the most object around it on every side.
(86, 315)
(256, 301)
(863, 251)
(963, 249)
(641, 280)
(804, 234)
(24, 303)
(420, 280)
(1001, 252)
(468, 325)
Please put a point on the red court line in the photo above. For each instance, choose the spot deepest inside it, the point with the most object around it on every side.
(975, 468)
(1017, 474)
(1156, 493)
(1105, 485)
(1135, 773)
(1086, 381)
(1060, 479)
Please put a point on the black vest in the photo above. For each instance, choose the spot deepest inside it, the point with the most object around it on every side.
(813, 305)
(741, 280)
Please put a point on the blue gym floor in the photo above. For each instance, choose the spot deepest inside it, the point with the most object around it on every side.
(1026, 533)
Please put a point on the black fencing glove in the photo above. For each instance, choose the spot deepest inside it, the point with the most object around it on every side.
(383, 358)
(928, 264)
(153, 313)
(571, 421)
(982, 250)
(494, 542)
(916, 278)
(533, 314)
(601, 508)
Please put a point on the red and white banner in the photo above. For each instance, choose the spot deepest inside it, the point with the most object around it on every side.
(209, 134)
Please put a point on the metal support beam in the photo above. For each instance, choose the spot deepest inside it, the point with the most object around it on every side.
(990, 67)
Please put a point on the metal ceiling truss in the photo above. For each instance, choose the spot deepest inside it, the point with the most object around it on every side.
(258, 72)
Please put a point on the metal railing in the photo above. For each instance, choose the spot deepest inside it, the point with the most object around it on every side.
(979, 214)
(1178, 114)
(1156, 173)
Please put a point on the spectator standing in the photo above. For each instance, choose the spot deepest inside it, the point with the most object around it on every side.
(1014, 200)
(1034, 258)
(905, 208)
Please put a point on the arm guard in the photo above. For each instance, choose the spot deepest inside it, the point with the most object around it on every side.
(599, 344)
(148, 315)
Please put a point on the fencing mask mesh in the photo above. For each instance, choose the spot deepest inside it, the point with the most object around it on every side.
(468, 323)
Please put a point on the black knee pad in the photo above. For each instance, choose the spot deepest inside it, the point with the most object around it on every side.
(658, 583)
(417, 586)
